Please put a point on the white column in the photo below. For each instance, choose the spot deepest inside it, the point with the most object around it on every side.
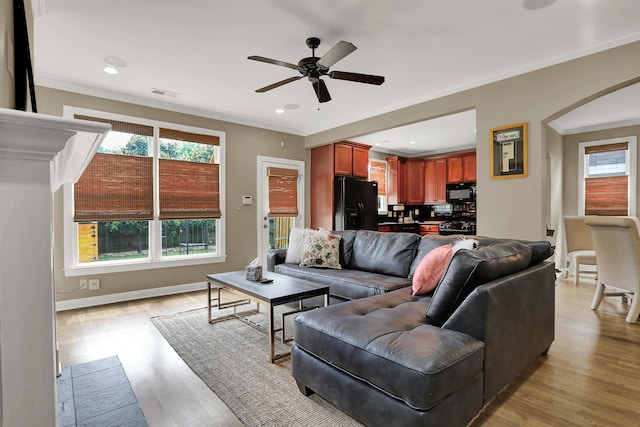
(37, 154)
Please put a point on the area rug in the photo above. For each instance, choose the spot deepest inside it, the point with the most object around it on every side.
(231, 357)
(97, 393)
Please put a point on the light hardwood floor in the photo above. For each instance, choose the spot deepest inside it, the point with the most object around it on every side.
(591, 375)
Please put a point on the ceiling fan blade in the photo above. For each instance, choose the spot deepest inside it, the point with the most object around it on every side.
(320, 88)
(273, 61)
(336, 53)
(278, 84)
(355, 77)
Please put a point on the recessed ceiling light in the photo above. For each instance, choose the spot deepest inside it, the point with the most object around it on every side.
(412, 142)
(378, 144)
(115, 61)
(280, 111)
(111, 70)
(113, 64)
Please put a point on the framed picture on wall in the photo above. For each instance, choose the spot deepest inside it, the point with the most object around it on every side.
(509, 151)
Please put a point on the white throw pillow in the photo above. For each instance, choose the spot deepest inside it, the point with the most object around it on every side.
(295, 250)
(296, 246)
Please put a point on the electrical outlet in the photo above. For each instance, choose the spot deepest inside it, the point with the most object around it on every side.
(94, 284)
(83, 283)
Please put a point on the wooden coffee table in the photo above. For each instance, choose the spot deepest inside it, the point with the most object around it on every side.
(283, 290)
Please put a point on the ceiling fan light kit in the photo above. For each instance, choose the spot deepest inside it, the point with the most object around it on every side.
(314, 68)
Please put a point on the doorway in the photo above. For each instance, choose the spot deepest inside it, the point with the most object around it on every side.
(280, 204)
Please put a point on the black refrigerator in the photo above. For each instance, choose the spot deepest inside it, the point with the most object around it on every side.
(355, 204)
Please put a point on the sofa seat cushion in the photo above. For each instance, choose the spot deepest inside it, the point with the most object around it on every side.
(384, 341)
(350, 284)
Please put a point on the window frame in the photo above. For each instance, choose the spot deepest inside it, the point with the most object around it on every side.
(72, 266)
(381, 199)
(631, 170)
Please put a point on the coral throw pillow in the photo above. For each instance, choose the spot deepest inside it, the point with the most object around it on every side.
(321, 250)
(430, 270)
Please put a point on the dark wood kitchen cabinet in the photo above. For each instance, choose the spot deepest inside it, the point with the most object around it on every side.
(351, 159)
(361, 161)
(322, 163)
(415, 181)
(344, 158)
(396, 180)
(399, 228)
(429, 229)
(461, 168)
(435, 180)
(469, 167)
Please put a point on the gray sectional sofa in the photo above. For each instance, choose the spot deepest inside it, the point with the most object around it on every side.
(389, 358)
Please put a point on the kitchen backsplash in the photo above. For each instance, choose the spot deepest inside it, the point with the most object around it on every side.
(418, 213)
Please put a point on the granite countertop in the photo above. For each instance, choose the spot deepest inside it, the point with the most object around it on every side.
(430, 222)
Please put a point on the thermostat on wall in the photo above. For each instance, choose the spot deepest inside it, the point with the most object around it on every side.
(247, 200)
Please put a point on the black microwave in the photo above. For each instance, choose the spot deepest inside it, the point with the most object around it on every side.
(461, 193)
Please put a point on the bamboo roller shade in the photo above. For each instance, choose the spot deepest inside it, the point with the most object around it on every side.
(189, 190)
(115, 187)
(118, 187)
(606, 196)
(283, 192)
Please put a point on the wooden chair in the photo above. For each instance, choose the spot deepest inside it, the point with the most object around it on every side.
(579, 246)
(617, 245)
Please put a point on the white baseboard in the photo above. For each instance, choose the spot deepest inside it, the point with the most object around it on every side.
(129, 296)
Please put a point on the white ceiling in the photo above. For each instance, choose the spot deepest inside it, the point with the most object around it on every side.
(424, 48)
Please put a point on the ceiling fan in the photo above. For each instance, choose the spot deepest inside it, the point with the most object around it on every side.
(314, 68)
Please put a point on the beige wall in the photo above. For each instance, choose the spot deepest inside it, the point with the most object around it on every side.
(243, 145)
(517, 207)
(6, 39)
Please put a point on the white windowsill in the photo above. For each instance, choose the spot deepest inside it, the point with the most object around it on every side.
(137, 265)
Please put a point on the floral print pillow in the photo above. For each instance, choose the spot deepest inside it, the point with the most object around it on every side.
(321, 250)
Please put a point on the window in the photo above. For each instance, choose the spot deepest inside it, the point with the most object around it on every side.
(149, 198)
(607, 177)
(378, 172)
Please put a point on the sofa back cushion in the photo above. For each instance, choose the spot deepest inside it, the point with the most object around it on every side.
(469, 269)
(384, 253)
(346, 245)
(540, 250)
